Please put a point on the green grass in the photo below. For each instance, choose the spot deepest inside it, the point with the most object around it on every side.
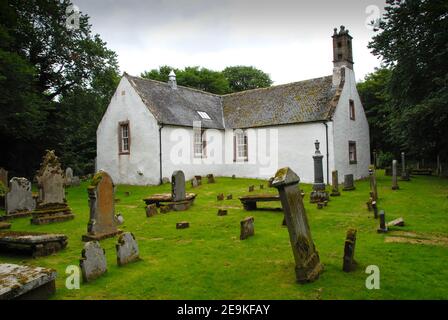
(208, 261)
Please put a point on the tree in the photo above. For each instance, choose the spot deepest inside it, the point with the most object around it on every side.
(242, 78)
(412, 43)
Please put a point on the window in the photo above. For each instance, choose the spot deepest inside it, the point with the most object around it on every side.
(352, 110)
(204, 115)
(240, 148)
(199, 143)
(124, 138)
(352, 152)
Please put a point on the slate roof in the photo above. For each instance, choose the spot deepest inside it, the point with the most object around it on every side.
(298, 102)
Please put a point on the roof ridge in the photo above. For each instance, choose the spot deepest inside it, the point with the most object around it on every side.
(274, 87)
(178, 86)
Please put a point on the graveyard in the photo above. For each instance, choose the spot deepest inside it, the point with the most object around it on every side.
(207, 259)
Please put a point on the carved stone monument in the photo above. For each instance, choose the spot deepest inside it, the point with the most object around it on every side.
(383, 226)
(102, 223)
(51, 204)
(247, 228)
(319, 194)
(210, 178)
(373, 185)
(349, 184)
(178, 186)
(19, 199)
(308, 266)
(68, 177)
(404, 172)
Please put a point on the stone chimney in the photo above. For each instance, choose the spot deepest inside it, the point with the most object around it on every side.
(342, 53)
(172, 80)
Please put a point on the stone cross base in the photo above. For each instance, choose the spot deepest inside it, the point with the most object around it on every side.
(319, 196)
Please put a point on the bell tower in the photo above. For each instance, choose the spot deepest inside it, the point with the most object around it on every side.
(342, 49)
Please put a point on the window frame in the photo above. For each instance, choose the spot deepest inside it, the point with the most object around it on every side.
(202, 144)
(239, 146)
(352, 144)
(351, 109)
(121, 126)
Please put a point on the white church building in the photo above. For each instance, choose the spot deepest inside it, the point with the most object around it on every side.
(153, 128)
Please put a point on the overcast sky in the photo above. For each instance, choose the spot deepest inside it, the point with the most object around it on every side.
(288, 39)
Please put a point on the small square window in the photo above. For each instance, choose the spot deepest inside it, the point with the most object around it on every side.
(204, 115)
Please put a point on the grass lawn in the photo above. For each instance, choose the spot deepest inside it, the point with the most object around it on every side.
(208, 261)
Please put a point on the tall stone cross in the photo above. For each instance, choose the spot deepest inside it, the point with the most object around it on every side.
(308, 267)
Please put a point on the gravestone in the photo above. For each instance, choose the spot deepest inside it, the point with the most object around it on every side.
(251, 188)
(102, 223)
(119, 218)
(194, 182)
(308, 266)
(220, 197)
(93, 263)
(349, 184)
(76, 182)
(210, 178)
(151, 210)
(4, 177)
(394, 176)
(349, 263)
(199, 179)
(375, 209)
(233, 176)
(178, 186)
(335, 184)
(229, 197)
(19, 282)
(404, 172)
(383, 226)
(373, 185)
(319, 194)
(320, 205)
(127, 249)
(182, 225)
(51, 204)
(165, 209)
(247, 228)
(222, 212)
(19, 199)
(68, 177)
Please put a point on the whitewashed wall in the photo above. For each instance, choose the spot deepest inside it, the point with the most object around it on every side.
(346, 130)
(126, 105)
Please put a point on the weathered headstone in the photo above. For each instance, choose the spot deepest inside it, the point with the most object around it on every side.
(404, 172)
(349, 263)
(19, 199)
(151, 210)
(194, 182)
(383, 226)
(308, 266)
(319, 194)
(199, 179)
(178, 185)
(247, 228)
(21, 282)
(349, 184)
(396, 223)
(229, 197)
(165, 209)
(220, 197)
(335, 184)
(127, 249)
(68, 177)
(182, 225)
(320, 205)
(222, 212)
(93, 263)
(210, 178)
(261, 186)
(394, 176)
(251, 188)
(119, 218)
(102, 223)
(373, 185)
(233, 176)
(51, 206)
(375, 209)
